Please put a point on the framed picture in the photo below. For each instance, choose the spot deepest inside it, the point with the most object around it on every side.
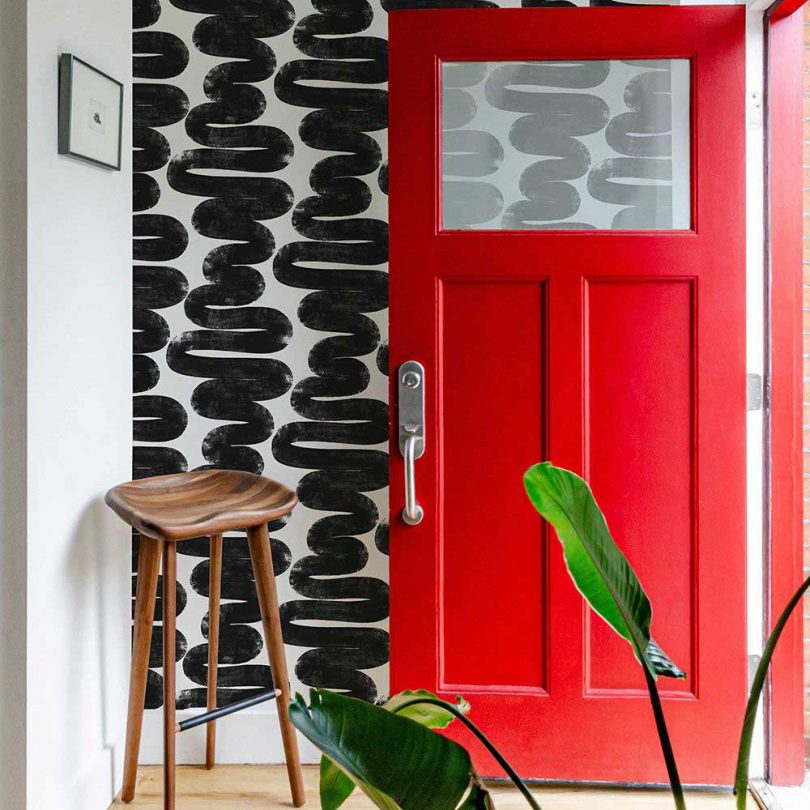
(91, 107)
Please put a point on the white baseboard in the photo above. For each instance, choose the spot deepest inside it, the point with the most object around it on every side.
(246, 738)
(97, 784)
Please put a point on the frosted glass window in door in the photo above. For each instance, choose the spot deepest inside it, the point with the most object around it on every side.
(566, 145)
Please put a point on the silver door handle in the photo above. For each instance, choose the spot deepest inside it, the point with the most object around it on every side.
(411, 433)
(412, 513)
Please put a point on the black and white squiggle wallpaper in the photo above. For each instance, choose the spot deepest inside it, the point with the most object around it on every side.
(260, 295)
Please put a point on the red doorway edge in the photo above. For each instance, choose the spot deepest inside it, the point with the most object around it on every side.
(784, 709)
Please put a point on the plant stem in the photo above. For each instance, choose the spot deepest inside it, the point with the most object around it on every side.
(747, 733)
(663, 736)
(510, 771)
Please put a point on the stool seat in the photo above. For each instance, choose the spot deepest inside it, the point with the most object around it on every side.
(181, 506)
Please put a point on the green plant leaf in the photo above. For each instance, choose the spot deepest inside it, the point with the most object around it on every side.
(336, 787)
(662, 664)
(425, 714)
(757, 685)
(607, 581)
(397, 763)
(596, 564)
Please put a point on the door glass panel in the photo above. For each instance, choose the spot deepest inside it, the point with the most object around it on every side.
(566, 145)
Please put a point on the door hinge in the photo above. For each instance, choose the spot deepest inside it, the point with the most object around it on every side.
(753, 663)
(754, 392)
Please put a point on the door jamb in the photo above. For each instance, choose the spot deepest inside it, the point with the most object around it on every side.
(782, 412)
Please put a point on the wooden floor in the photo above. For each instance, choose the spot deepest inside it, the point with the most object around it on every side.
(242, 787)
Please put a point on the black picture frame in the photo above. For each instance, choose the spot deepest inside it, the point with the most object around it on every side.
(67, 98)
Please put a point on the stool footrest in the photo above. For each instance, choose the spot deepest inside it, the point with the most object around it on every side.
(223, 711)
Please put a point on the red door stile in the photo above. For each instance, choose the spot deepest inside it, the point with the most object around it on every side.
(617, 354)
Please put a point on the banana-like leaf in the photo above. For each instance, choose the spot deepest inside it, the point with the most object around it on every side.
(661, 663)
(596, 564)
(426, 714)
(397, 763)
(336, 787)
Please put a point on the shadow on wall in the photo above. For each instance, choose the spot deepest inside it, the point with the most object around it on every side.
(98, 556)
(13, 369)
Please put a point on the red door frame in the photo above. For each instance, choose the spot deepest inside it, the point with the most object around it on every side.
(784, 26)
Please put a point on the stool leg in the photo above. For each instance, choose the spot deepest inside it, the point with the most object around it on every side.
(169, 697)
(262, 560)
(145, 595)
(214, 585)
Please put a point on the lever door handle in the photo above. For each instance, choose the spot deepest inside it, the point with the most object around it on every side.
(411, 433)
(412, 513)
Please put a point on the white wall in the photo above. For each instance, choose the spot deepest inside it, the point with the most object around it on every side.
(65, 576)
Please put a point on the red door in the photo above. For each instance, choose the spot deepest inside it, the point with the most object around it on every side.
(567, 223)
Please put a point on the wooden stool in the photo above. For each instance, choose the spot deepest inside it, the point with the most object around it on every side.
(165, 510)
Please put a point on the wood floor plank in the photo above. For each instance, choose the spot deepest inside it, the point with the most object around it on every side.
(244, 787)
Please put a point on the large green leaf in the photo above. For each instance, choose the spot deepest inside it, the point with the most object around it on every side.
(596, 564)
(336, 787)
(397, 763)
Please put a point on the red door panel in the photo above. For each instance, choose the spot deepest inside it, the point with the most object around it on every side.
(616, 353)
(640, 335)
(471, 598)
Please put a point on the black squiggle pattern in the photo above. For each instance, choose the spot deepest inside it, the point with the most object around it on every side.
(231, 348)
(467, 152)
(342, 244)
(158, 238)
(552, 127)
(145, 13)
(555, 117)
(234, 212)
(644, 135)
(240, 643)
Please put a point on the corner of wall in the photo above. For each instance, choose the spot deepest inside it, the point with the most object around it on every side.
(13, 257)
